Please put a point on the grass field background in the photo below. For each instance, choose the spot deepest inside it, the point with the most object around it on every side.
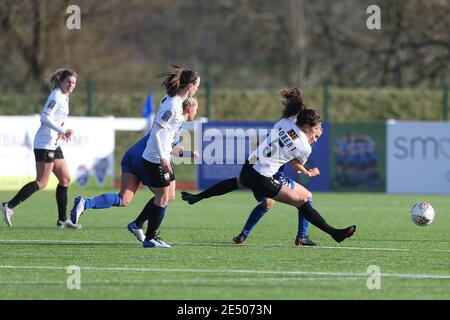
(205, 264)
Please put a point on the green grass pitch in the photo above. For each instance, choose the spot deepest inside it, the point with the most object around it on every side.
(205, 264)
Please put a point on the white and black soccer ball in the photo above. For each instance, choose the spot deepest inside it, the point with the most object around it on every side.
(422, 214)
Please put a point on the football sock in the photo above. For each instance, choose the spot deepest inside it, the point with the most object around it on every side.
(155, 216)
(258, 212)
(61, 201)
(303, 223)
(219, 189)
(23, 194)
(140, 220)
(143, 216)
(316, 219)
(106, 200)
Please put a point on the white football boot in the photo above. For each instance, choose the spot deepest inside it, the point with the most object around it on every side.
(67, 224)
(7, 213)
(77, 210)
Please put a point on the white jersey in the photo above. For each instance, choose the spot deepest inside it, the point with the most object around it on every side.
(56, 109)
(285, 142)
(170, 118)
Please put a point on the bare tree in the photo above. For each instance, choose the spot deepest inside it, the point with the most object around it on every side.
(233, 43)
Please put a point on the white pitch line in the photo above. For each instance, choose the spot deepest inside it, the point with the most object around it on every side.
(62, 241)
(387, 249)
(203, 244)
(176, 281)
(240, 271)
(312, 248)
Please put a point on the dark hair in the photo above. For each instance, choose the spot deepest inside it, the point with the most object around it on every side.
(308, 116)
(293, 102)
(58, 77)
(177, 79)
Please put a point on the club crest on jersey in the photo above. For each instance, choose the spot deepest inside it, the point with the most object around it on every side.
(276, 182)
(166, 116)
(51, 104)
(292, 134)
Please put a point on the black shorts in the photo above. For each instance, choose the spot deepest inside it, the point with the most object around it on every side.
(157, 176)
(259, 184)
(44, 155)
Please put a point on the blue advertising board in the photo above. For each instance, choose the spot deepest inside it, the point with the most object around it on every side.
(225, 145)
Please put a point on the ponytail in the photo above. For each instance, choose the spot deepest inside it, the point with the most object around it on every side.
(308, 116)
(58, 77)
(177, 79)
(293, 102)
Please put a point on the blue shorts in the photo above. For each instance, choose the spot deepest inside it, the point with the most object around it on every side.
(133, 164)
(280, 177)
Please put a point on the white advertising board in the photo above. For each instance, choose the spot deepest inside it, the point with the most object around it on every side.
(418, 157)
(90, 154)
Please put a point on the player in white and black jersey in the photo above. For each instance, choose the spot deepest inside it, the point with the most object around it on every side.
(180, 84)
(293, 102)
(290, 140)
(133, 174)
(48, 154)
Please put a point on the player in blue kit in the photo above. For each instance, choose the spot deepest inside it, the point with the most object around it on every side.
(133, 173)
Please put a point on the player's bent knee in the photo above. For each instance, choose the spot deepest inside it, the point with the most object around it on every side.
(125, 202)
(268, 203)
(163, 201)
(301, 199)
(65, 181)
(42, 184)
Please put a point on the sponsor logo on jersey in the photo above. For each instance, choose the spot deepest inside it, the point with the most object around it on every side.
(166, 116)
(51, 104)
(292, 134)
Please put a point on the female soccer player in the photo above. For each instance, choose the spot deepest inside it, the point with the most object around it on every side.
(180, 84)
(133, 173)
(47, 151)
(293, 103)
(291, 140)
(263, 206)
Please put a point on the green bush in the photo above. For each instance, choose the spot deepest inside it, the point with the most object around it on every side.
(264, 105)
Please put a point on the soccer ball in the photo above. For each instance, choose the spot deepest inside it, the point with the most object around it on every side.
(422, 214)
